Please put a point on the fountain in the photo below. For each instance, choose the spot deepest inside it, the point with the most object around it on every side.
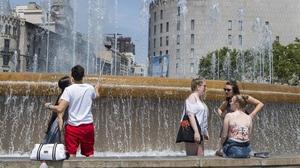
(5, 7)
(139, 116)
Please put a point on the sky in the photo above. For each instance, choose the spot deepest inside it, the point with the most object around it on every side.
(130, 21)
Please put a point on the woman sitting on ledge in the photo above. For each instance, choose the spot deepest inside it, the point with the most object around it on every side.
(237, 130)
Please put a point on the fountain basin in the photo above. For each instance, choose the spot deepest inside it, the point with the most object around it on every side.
(141, 115)
(45, 85)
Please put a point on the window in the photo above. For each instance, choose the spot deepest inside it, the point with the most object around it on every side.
(277, 38)
(178, 39)
(161, 14)
(9, 27)
(6, 45)
(161, 28)
(14, 31)
(240, 25)
(154, 16)
(240, 40)
(6, 52)
(153, 53)
(160, 41)
(39, 51)
(154, 41)
(229, 24)
(177, 53)
(178, 11)
(192, 38)
(160, 53)
(192, 52)
(229, 39)
(192, 67)
(154, 30)
(192, 24)
(178, 25)
(167, 40)
(167, 52)
(267, 23)
(167, 27)
(176, 67)
(6, 29)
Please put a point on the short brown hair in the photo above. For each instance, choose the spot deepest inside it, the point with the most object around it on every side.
(196, 82)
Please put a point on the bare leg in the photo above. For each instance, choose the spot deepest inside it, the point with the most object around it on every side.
(219, 151)
(72, 156)
(193, 149)
(200, 151)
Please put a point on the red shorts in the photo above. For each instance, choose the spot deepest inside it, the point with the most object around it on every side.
(82, 135)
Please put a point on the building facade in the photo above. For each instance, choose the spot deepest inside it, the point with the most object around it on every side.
(188, 31)
(23, 46)
(34, 14)
(119, 59)
(9, 42)
(29, 44)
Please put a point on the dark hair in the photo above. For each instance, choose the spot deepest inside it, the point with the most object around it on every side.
(77, 72)
(62, 84)
(235, 87)
(196, 82)
(242, 100)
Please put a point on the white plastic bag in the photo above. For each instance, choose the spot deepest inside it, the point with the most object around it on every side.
(48, 152)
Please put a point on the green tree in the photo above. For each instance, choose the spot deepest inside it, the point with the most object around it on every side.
(286, 64)
(286, 61)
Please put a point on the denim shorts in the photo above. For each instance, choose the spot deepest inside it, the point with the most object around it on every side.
(234, 149)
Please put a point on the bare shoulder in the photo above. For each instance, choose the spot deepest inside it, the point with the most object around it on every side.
(192, 98)
(229, 115)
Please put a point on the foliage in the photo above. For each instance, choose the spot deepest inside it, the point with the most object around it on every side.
(248, 65)
(287, 61)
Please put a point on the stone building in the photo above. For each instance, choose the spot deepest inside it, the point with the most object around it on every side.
(126, 45)
(23, 46)
(27, 45)
(119, 60)
(9, 42)
(188, 30)
(34, 14)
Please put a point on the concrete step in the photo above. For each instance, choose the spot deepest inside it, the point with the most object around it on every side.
(273, 161)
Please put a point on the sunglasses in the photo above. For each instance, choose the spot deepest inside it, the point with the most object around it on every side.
(227, 90)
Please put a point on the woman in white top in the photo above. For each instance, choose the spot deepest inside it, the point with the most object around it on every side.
(195, 107)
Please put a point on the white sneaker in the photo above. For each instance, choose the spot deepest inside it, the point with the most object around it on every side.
(44, 165)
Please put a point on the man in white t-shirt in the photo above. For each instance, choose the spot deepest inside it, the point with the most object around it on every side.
(79, 130)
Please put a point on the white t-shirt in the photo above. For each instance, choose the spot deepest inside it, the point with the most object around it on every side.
(80, 98)
(200, 110)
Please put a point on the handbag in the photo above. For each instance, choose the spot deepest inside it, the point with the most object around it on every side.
(186, 132)
(48, 152)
